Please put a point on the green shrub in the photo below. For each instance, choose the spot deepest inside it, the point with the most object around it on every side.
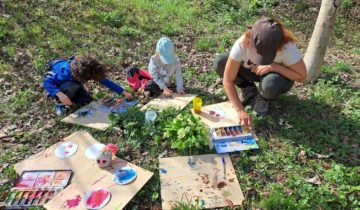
(186, 131)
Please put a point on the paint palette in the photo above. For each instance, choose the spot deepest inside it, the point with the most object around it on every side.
(233, 139)
(124, 175)
(35, 188)
(96, 199)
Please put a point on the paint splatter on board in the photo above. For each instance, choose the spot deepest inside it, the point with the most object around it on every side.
(163, 171)
(72, 203)
(191, 163)
(202, 203)
(229, 203)
(232, 180)
(205, 179)
(221, 185)
(98, 180)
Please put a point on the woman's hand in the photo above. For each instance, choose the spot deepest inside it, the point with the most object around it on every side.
(64, 99)
(127, 95)
(244, 118)
(262, 69)
(167, 92)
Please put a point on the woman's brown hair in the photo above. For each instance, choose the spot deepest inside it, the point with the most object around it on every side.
(87, 68)
(287, 36)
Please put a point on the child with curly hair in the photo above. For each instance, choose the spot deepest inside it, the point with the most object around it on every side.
(65, 78)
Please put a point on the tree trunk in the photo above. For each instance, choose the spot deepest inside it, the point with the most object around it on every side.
(317, 47)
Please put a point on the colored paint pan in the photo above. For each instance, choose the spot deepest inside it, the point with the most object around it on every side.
(218, 133)
(223, 133)
(30, 198)
(43, 198)
(227, 130)
(233, 132)
(37, 197)
(24, 198)
(11, 197)
(18, 197)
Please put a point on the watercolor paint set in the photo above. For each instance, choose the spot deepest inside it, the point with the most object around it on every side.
(233, 139)
(35, 188)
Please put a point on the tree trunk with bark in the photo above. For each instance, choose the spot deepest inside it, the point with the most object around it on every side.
(317, 47)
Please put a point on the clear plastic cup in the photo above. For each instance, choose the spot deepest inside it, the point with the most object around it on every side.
(150, 116)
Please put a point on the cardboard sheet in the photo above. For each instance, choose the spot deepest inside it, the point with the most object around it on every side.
(87, 175)
(230, 117)
(191, 178)
(98, 119)
(175, 100)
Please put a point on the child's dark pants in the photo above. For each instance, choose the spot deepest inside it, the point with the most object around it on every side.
(76, 93)
(271, 85)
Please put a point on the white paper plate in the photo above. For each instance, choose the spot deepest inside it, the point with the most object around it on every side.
(97, 192)
(92, 151)
(124, 175)
(66, 149)
(217, 113)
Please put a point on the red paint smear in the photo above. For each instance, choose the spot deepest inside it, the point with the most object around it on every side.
(70, 146)
(66, 152)
(112, 185)
(72, 203)
(212, 112)
(98, 180)
(23, 184)
(43, 180)
(96, 198)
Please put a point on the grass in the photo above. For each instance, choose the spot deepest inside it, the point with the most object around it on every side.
(313, 131)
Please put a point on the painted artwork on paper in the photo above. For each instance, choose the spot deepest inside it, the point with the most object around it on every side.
(177, 101)
(208, 180)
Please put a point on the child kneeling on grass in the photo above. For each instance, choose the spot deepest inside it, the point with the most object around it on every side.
(163, 65)
(65, 78)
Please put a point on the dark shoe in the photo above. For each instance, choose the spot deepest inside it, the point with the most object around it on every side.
(248, 93)
(261, 105)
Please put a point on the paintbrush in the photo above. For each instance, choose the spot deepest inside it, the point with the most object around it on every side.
(223, 162)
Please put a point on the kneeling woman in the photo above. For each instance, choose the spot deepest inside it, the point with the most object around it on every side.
(266, 54)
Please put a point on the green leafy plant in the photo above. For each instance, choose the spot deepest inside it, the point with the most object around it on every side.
(188, 204)
(186, 131)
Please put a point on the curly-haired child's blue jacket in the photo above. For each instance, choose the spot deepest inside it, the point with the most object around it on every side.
(61, 72)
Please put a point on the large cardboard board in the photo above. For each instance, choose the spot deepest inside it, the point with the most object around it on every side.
(191, 178)
(176, 100)
(230, 118)
(87, 175)
(98, 119)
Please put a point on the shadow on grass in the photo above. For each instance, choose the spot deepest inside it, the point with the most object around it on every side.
(317, 126)
(207, 98)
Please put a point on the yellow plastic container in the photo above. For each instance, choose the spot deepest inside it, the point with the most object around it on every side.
(197, 104)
